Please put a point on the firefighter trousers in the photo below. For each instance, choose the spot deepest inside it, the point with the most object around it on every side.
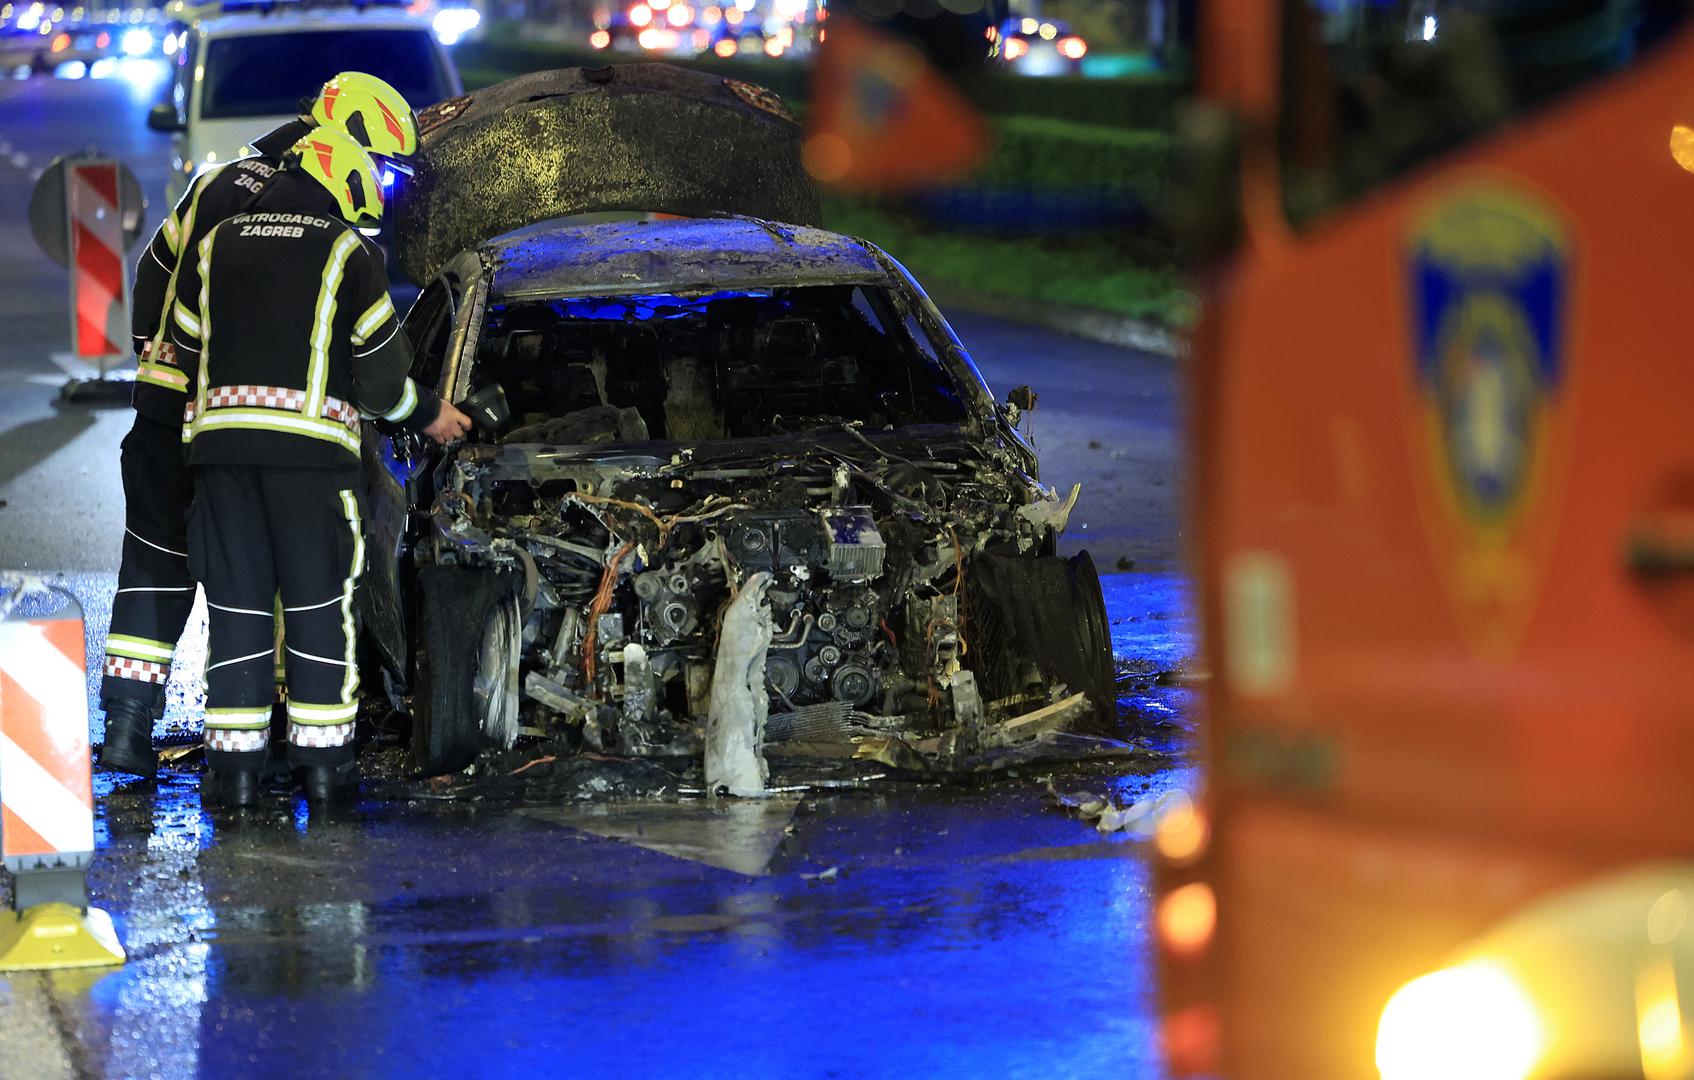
(257, 533)
(155, 587)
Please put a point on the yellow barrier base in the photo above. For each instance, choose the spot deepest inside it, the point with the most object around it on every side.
(49, 936)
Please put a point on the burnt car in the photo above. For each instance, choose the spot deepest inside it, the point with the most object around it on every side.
(678, 413)
(667, 408)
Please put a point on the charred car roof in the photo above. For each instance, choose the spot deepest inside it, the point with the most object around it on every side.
(562, 258)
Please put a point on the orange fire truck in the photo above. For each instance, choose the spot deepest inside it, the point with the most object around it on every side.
(1443, 476)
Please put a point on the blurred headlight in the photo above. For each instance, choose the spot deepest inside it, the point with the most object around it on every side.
(137, 42)
(454, 23)
(1470, 1022)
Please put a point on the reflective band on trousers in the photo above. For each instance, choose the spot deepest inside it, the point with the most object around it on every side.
(147, 671)
(320, 735)
(230, 741)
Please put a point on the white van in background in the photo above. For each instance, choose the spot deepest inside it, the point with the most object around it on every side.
(247, 68)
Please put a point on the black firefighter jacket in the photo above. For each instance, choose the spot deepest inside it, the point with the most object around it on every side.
(284, 327)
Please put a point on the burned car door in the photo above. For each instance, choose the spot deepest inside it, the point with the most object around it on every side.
(394, 468)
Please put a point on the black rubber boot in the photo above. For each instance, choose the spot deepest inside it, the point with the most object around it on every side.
(330, 785)
(232, 789)
(129, 738)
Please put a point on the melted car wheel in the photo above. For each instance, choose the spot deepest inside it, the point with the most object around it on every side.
(1033, 622)
(495, 687)
(465, 685)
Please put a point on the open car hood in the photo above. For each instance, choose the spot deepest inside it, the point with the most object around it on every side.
(636, 137)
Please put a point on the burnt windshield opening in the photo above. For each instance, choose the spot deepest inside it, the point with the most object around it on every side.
(727, 365)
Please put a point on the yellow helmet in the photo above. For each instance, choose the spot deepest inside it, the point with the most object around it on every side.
(369, 110)
(343, 168)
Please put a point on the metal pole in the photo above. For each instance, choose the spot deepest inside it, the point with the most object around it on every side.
(68, 180)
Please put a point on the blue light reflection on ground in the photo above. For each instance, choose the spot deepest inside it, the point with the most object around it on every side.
(978, 961)
(1047, 994)
(1150, 618)
(1156, 650)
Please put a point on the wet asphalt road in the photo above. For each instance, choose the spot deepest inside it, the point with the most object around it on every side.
(966, 930)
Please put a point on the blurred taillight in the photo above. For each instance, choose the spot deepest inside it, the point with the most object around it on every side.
(1192, 1040)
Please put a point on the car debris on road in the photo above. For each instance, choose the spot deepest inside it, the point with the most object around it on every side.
(1138, 819)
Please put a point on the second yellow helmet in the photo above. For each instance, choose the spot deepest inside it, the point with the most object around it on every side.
(369, 110)
(342, 168)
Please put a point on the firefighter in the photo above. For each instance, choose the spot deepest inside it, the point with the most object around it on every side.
(283, 323)
(155, 589)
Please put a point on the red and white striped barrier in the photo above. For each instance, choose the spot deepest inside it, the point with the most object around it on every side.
(47, 785)
(46, 790)
(101, 318)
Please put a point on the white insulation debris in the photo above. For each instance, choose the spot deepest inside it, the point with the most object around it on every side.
(1050, 511)
(735, 718)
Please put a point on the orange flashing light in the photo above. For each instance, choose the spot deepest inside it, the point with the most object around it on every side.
(1182, 832)
(1188, 917)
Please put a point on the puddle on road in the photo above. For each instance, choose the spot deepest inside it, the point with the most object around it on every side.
(740, 836)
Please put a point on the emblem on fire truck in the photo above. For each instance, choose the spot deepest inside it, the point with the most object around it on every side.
(1489, 283)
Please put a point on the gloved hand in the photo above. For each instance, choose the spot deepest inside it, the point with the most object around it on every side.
(449, 423)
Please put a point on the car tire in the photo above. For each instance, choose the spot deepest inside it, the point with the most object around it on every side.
(1041, 619)
(455, 605)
